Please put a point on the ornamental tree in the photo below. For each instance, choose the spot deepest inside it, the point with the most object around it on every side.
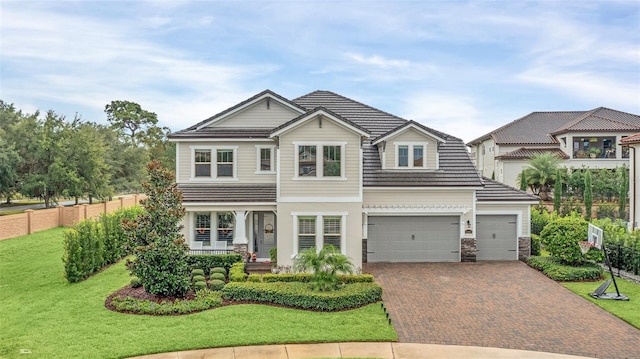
(160, 250)
(325, 265)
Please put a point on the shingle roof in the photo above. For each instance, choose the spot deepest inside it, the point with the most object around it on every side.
(539, 127)
(228, 193)
(318, 109)
(455, 169)
(431, 131)
(494, 191)
(526, 153)
(223, 132)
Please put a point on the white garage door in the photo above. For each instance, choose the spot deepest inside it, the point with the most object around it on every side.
(414, 239)
(497, 237)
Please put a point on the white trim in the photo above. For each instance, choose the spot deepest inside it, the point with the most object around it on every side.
(360, 173)
(178, 162)
(319, 161)
(319, 216)
(405, 129)
(208, 139)
(228, 204)
(247, 105)
(314, 115)
(405, 209)
(214, 161)
(508, 203)
(271, 159)
(319, 199)
(278, 172)
(410, 148)
(405, 188)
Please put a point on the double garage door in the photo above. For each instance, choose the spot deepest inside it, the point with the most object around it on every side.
(414, 239)
(437, 238)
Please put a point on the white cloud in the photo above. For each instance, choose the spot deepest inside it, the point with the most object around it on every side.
(452, 114)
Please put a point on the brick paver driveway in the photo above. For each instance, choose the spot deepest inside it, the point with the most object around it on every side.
(498, 304)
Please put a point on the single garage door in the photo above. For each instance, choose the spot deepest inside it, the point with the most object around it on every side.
(414, 239)
(497, 237)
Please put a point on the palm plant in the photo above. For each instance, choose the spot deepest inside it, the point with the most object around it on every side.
(541, 174)
(325, 265)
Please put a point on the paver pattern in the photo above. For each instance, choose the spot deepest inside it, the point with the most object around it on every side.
(498, 304)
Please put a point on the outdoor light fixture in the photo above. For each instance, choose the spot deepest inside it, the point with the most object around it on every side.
(468, 230)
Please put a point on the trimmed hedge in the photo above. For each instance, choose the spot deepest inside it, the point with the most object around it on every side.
(555, 270)
(196, 272)
(216, 284)
(299, 295)
(92, 244)
(220, 270)
(205, 261)
(306, 278)
(218, 276)
(236, 273)
(198, 278)
(204, 300)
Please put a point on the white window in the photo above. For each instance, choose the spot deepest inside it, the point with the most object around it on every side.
(225, 227)
(203, 163)
(332, 231)
(411, 155)
(202, 228)
(265, 159)
(319, 161)
(223, 169)
(306, 233)
(317, 230)
(213, 226)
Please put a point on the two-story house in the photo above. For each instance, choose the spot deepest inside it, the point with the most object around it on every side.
(324, 169)
(579, 138)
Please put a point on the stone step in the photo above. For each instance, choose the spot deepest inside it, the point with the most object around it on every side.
(258, 267)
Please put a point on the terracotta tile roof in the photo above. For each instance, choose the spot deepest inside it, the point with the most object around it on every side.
(208, 193)
(494, 191)
(526, 153)
(540, 127)
(635, 138)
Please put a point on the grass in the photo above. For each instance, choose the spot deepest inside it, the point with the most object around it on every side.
(627, 311)
(43, 313)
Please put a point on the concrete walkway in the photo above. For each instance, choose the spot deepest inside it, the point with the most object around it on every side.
(357, 350)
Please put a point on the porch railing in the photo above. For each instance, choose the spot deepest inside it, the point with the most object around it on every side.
(211, 251)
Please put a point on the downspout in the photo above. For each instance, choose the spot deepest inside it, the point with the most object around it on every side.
(635, 195)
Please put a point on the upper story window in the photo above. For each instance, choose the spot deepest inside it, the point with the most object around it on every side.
(224, 167)
(224, 163)
(329, 165)
(265, 163)
(203, 163)
(411, 155)
(594, 147)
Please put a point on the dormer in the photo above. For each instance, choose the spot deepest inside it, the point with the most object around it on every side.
(410, 147)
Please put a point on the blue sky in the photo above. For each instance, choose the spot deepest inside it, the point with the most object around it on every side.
(461, 67)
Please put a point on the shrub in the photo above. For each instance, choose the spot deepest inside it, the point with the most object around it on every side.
(197, 272)
(606, 210)
(220, 270)
(540, 217)
(236, 273)
(205, 261)
(199, 285)
(92, 244)
(204, 300)
(160, 250)
(198, 278)
(273, 256)
(569, 206)
(306, 277)
(324, 265)
(218, 276)
(298, 295)
(555, 270)
(216, 284)
(561, 236)
(255, 278)
(535, 244)
(136, 282)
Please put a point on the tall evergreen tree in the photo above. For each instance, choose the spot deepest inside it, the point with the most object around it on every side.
(588, 195)
(557, 191)
(623, 175)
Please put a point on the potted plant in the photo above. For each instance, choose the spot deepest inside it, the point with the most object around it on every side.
(594, 152)
(273, 256)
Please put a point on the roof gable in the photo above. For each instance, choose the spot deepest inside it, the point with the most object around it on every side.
(315, 113)
(407, 126)
(267, 97)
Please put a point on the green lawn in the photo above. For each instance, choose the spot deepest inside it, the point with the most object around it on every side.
(42, 313)
(627, 311)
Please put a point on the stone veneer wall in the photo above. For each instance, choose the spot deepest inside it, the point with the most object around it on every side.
(468, 250)
(524, 248)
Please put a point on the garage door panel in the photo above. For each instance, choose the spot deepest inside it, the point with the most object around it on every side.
(497, 237)
(413, 239)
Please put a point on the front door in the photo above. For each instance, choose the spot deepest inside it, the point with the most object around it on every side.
(264, 233)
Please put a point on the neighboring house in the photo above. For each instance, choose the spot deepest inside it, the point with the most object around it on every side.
(580, 139)
(324, 169)
(633, 142)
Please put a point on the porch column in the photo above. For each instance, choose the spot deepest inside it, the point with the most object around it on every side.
(241, 228)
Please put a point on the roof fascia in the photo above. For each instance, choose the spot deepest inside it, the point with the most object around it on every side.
(405, 127)
(315, 114)
(267, 94)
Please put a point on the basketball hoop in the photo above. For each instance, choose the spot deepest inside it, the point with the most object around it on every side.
(585, 246)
